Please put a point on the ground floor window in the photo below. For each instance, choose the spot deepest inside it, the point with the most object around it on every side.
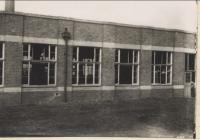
(2, 46)
(189, 68)
(39, 64)
(161, 67)
(126, 66)
(86, 67)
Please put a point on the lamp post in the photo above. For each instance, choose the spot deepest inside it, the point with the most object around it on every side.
(66, 36)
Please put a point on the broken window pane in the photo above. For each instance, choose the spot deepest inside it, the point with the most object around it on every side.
(52, 73)
(25, 73)
(97, 54)
(116, 74)
(86, 54)
(52, 52)
(116, 55)
(25, 51)
(135, 74)
(81, 73)
(124, 56)
(38, 74)
(125, 74)
(40, 52)
(74, 57)
(89, 74)
(74, 73)
(96, 73)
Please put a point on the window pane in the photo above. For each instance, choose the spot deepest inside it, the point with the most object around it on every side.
(188, 77)
(193, 76)
(89, 73)
(135, 73)
(125, 74)
(124, 56)
(130, 56)
(39, 52)
(160, 57)
(191, 62)
(52, 73)
(116, 55)
(135, 56)
(52, 52)
(74, 73)
(97, 54)
(116, 74)
(81, 73)
(38, 73)
(25, 51)
(169, 58)
(157, 74)
(74, 57)
(97, 74)
(86, 54)
(25, 73)
(168, 77)
(163, 74)
(152, 73)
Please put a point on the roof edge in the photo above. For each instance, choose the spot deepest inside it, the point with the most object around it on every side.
(95, 22)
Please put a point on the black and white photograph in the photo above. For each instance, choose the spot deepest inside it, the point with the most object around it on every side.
(98, 68)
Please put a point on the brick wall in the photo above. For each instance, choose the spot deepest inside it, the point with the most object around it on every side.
(45, 27)
(13, 64)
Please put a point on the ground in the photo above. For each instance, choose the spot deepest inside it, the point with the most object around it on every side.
(172, 117)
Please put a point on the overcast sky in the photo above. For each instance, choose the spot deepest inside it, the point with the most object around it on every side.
(166, 14)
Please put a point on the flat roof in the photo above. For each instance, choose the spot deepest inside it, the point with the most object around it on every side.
(95, 22)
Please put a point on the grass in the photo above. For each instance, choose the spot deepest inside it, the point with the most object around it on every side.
(172, 117)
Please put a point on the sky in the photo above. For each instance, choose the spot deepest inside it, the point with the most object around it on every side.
(165, 14)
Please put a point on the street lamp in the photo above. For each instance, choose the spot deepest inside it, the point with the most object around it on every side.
(66, 36)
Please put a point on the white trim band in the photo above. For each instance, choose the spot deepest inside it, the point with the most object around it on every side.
(89, 88)
(13, 38)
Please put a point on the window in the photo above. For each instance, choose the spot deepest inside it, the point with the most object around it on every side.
(86, 66)
(189, 68)
(39, 64)
(2, 46)
(161, 67)
(126, 66)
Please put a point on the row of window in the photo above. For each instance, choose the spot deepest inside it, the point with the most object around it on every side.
(40, 66)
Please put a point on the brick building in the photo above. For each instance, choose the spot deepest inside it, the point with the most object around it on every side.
(104, 61)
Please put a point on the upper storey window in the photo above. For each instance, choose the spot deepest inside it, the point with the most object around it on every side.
(39, 64)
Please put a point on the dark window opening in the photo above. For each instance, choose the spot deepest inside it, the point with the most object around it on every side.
(125, 74)
(39, 65)
(38, 74)
(189, 68)
(127, 68)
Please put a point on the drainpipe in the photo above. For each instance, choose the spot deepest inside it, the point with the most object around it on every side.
(66, 36)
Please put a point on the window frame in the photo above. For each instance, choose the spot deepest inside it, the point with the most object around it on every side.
(30, 60)
(118, 63)
(187, 69)
(77, 62)
(153, 71)
(3, 63)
